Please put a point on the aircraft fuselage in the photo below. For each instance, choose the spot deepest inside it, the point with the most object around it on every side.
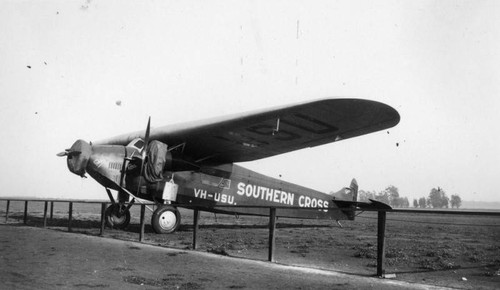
(243, 187)
(215, 189)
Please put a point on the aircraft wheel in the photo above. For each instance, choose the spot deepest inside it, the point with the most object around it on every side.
(117, 217)
(165, 219)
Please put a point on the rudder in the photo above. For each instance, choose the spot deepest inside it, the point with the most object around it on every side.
(354, 189)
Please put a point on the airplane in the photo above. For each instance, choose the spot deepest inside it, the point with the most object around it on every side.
(192, 165)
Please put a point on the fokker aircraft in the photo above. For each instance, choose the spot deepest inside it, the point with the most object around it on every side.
(192, 164)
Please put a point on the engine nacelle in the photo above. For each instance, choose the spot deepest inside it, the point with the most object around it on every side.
(106, 164)
(78, 157)
(115, 166)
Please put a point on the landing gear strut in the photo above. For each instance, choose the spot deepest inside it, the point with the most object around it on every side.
(117, 216)
(166, 219)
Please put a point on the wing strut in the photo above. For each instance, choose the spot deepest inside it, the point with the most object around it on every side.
(277, 129)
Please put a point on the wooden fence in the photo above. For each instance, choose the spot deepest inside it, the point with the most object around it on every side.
(381, 220)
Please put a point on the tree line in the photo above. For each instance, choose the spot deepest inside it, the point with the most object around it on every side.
(437, 198)
(390, 196)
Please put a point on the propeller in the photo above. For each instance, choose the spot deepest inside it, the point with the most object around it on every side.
(143, 154)
(143, 158)
(68, 152)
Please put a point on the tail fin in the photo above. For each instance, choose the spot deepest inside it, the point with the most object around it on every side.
(354, 189)
(347, 193)
(347, 198)
(351, 214)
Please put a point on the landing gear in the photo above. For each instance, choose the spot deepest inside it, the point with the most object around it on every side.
(117, 216)
(166, 219)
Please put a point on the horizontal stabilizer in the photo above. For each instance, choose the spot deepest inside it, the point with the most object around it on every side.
(373, 204)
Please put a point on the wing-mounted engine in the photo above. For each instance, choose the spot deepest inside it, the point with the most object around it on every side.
(160, 167)
(157, 157)
(161, 158)
(150, 173)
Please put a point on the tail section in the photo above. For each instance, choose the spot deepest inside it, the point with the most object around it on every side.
(354, 189)
(351, 214)
(347, 197)
(347, 193)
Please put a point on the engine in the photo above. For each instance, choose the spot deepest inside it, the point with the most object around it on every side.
(142, 173)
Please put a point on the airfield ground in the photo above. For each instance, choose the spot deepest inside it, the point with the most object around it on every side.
(61, 260)
(442, 250)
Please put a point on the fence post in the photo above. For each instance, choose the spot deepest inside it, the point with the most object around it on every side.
(196, 218)
(103, 213)
(25, 219)
(51, 210)
(272, 229)
(70, 215)
(141, 233)
(7, 211)
(45, 214)
(381, 242)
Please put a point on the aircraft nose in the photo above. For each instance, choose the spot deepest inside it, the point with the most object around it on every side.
(78, 157)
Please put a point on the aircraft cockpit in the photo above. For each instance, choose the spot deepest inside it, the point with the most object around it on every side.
(137, 143)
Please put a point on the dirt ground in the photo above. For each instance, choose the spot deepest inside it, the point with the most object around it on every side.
(37, 258)
(443, 250)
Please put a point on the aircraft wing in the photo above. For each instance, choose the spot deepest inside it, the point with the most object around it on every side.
(264, 133)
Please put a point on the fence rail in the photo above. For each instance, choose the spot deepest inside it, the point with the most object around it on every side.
(381, 219)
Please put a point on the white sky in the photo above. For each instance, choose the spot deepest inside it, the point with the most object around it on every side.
(436, 62)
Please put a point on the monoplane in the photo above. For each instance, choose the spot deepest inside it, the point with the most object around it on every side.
(192, 165)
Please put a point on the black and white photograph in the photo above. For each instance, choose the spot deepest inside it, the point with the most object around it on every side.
(250, 144)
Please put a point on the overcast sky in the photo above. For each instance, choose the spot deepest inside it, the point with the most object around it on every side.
(65, 64)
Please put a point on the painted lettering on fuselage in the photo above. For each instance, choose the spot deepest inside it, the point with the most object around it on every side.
(99, 162)
(279, 196)
(248, 194)
(215, 196)
(265, 193)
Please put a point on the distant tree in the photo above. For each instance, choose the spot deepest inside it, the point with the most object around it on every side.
(392, 193)
(389, 196)
(422, 202)
(365, 195)
(400, 202)
(438, 198)
(383, 196)
(405, 202)
(455, 201)
(395, 202)
(415, 203)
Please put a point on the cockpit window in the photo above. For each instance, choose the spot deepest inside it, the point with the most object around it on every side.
(139, 144)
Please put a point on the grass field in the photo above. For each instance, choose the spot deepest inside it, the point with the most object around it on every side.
(445, 250)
